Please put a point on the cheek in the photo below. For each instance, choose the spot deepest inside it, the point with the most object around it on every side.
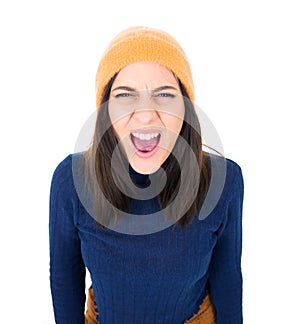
(118, 128)
(172, 116)
(117, 123)
(173, 124)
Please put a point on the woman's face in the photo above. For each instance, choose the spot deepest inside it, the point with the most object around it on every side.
(146, 109)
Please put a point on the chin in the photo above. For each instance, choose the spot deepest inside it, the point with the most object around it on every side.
(143, 166)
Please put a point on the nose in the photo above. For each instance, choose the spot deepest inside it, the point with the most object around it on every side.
(145, 116)
(146, 112)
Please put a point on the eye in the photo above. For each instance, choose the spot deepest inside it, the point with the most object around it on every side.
(124, 95)
(165, 95)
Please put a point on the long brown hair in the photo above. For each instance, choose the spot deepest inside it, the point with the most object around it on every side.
(99, 174)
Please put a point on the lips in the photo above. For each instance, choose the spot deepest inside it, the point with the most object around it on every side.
(145, 142)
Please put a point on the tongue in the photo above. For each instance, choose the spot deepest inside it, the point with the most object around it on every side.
(145, 145)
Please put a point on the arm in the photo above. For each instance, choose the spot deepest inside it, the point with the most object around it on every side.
(225, 275)
(67, 270)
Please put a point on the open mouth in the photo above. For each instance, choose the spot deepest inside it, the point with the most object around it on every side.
(146, 144)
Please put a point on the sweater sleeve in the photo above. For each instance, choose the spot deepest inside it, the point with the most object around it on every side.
(225, 275)
(67, 270)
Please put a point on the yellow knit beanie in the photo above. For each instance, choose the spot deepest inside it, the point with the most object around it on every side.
(143, 44)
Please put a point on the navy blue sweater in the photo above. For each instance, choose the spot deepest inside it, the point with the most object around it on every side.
(155, 278)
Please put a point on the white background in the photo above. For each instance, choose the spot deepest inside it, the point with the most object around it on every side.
(245, 61)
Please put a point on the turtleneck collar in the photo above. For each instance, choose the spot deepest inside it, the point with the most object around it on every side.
(141, 180)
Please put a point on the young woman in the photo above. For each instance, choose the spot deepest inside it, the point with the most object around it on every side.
(156, 220)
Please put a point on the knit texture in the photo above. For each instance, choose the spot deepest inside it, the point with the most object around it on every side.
(159, 278)
(143, 44)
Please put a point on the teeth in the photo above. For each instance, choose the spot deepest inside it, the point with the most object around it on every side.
(145, 136)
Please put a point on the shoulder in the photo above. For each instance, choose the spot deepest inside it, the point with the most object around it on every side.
(235, 174)
(63, 171)
(220, 163)
(62, 179)
(233, 166)
(234, 171)
(234, 184)
(226, 175)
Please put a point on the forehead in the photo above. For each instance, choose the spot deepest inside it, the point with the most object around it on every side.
(147, 74)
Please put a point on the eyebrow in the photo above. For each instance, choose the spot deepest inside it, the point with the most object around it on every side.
(124, 88)
(168, 87)
(165, 88)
